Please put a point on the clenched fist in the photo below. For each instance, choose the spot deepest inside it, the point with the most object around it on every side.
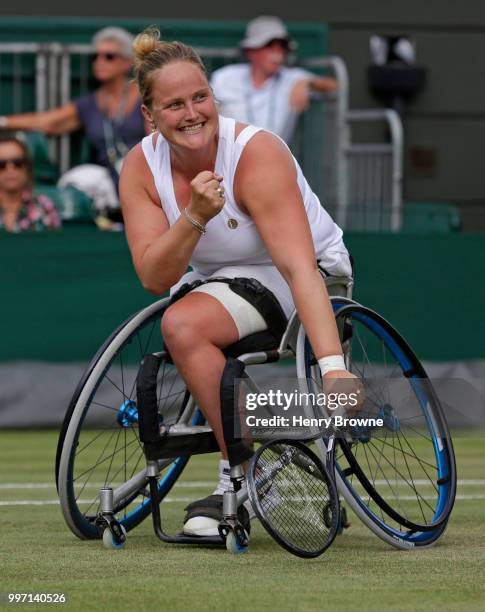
(349, 386)
(207, 198)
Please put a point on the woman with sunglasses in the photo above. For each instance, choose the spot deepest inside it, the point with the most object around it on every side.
(229, 200)
(110, 117)
(20, 210)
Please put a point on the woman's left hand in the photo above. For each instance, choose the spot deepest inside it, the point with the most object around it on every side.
(344, 382)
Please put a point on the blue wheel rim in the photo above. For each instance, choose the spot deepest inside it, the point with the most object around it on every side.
(445, 489)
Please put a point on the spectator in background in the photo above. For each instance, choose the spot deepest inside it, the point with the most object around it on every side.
(110, 117)
(20, 210)
(265, 92)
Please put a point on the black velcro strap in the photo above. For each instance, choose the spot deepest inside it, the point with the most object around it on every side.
(146, 394)
(237, 449)
(210, 507)
(253, 292)
(259, 341)
(264, 301)
(184, 289)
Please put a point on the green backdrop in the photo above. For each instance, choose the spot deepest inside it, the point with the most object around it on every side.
(312, 41)
(63, 293)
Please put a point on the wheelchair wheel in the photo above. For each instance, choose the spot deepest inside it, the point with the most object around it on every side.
(400, 479)
(99, 443)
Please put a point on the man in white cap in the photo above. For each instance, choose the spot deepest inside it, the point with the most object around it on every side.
(265, 92)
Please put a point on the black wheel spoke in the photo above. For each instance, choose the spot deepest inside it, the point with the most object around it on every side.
(107, 452)
(410, 482)
(394, 490)
(378, 462)
(96, 437)
(101, 461)
(403, 452)
(421, 462)
(100, 405)
(116, 387)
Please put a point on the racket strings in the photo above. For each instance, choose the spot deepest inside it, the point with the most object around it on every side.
(295, 497)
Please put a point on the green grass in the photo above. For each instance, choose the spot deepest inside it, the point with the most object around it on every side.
(359, 572)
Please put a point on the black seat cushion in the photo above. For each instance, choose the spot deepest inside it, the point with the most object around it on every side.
(260, 341)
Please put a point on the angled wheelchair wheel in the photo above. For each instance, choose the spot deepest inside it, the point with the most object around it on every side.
(99, 443)
(400, 479)
(294, 497)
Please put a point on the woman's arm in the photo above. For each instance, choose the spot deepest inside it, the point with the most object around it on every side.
(161, 253)
(57, 121)
(266, 186)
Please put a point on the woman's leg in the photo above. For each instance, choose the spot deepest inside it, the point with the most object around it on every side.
(195, 329)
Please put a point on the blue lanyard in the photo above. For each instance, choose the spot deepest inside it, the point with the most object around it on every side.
(273, 94)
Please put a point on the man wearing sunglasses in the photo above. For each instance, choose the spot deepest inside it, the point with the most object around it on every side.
(110, 117)
(264, 92)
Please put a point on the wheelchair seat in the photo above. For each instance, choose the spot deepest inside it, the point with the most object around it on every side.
(260, 341)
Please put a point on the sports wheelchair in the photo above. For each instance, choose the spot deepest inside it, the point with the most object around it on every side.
(400, 480)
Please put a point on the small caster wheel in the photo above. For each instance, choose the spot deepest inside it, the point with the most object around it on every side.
(234, 545)
(109, 541)
(344, 521)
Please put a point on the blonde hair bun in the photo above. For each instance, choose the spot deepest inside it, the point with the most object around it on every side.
(151, 54)
(145, 43)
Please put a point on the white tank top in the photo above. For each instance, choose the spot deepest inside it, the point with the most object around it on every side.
(232, 238)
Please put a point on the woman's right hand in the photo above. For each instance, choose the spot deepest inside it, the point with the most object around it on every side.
(207, 198)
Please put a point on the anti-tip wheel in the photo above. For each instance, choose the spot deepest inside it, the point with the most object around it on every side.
(109, 542)
(233, 545)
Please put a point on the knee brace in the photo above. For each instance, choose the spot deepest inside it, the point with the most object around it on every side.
(254, 292)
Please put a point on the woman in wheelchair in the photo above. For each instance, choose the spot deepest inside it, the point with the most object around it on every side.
(228, 200)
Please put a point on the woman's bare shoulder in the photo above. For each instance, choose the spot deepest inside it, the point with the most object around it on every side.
(239, 128)
(265, 161)
(135, 158)
(260, 136)
(265, 147)
(136, 175)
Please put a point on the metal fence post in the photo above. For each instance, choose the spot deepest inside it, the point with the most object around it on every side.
(376, 202)
(360, 184)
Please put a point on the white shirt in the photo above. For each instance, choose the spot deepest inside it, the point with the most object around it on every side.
(232, 245)
(267, 107)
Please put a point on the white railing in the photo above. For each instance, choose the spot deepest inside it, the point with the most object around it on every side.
(359, 183)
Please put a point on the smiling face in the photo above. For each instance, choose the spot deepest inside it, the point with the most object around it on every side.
(109, 62)
(182, 105)
(14, 174)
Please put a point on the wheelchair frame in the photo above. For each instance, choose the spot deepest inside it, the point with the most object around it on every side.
(341, 290)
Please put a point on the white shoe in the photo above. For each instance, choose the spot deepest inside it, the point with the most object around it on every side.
(201, 526)
(205, 514)
(206, 524)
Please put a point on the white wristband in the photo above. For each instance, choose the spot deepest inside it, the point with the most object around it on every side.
(3, 121)
(330, 363)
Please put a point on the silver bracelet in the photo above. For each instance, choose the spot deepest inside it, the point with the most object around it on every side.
(3, 121)
(198, 226)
